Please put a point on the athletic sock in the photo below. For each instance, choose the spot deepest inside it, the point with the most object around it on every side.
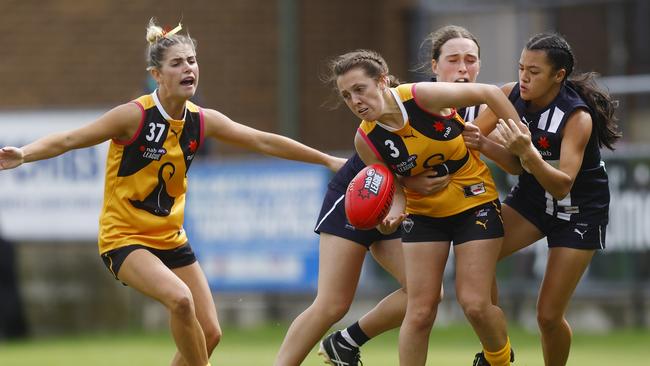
(500, 357)
(355, 335)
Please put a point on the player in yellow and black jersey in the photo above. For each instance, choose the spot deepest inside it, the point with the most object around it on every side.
(153, 142)
(413, 128)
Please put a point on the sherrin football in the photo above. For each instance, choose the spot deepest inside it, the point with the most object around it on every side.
(369, 196)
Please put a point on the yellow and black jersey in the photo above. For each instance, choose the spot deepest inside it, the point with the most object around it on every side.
(428, 141)
(146, 179)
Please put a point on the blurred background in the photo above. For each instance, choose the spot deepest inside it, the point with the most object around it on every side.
(66, 62)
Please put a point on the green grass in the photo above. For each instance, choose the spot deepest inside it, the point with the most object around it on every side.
(449, 346)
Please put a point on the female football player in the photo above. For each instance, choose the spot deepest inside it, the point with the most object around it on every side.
(153, 142)
(413, 128)
(563, 191)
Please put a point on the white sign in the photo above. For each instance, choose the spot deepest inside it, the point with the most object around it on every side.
(55, 199)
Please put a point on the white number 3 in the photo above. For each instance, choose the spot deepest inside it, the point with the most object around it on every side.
(152, 135)
(391, 146)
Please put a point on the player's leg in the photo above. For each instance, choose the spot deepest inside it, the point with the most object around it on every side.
(340, 262)
(564, 269)
(475, 269)
(519, 232)
(205, 309)
(424, 268)
(146, 273)
(389, 312)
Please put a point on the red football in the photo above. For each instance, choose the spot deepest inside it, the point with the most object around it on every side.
(369, 196)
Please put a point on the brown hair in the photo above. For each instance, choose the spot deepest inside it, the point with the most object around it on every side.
(436, 40)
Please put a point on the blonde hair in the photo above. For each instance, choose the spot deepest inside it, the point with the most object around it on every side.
(160, 40)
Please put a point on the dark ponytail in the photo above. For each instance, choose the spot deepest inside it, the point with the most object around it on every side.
(599, 101)
(602, 107)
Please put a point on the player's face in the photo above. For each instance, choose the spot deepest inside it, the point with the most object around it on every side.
(537, 78)
(362, 94)
(458, 61)
(179, 73)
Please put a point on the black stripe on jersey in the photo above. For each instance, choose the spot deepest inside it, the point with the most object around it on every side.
(190, 138)
(389, 145)
(147, 146)
(433, 126)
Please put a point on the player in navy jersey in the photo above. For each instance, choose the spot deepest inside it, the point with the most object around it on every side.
(563, 192)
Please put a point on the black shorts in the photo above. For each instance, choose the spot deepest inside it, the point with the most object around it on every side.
(558, 232)
(478, 223)
(332, 220)
(172, 258)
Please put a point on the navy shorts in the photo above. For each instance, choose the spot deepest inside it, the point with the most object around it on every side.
(172, 258)
(558, 232)
(332, 220)
(478, 223)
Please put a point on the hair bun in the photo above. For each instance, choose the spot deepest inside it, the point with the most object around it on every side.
(154, 32)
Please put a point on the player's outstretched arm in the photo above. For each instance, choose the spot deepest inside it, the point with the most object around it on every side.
(222, 128)
(119, 123)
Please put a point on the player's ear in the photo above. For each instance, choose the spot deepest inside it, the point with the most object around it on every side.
(559, 75)
(155, 74)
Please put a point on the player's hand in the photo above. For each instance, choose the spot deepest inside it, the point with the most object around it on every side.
(472, 136)
(515, 136)
(389, 224)
(10, 157)
(334, 163)
(426, 183)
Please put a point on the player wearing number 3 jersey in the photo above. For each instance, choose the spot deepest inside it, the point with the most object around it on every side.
(415, 128)
(430, 141)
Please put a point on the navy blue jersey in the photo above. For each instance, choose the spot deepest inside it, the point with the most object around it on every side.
(348, 171)
(588, 200)
(470, 113)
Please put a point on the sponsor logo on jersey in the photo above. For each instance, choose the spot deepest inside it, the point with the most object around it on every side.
(543, 143)
(474, 189)
(152, 153)
(405, 166)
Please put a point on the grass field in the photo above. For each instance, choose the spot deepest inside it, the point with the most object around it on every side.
(449, 346)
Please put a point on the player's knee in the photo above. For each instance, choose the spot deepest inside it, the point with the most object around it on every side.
(475, 307)
(213, 336)
(548, 320)
(422, 316)
(476, 312)
(182, 304)
(332, 309)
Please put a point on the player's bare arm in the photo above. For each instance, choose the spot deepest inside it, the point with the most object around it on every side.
(120, 123)
(220, 127)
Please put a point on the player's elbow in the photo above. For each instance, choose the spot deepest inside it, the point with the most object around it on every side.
(562, 188)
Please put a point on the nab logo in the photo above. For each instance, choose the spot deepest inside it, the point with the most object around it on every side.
(152, 153)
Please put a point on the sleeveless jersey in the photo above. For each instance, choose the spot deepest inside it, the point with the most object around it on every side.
(146, 179)
(429, 141)
(588, 200)
(469, 114)
(349, 170)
